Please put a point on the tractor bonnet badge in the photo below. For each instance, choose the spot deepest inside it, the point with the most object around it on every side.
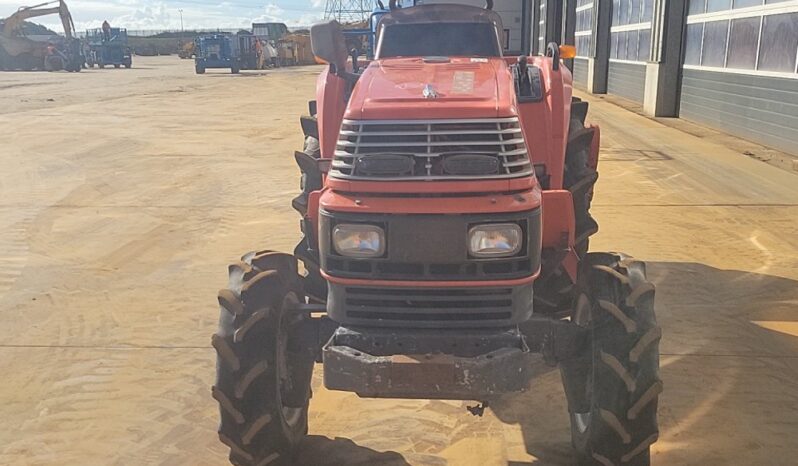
(430, 92)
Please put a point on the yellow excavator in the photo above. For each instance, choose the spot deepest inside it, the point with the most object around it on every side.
(18, 51)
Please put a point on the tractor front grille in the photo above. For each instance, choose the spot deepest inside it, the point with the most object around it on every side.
(431, 150)
(430, 307)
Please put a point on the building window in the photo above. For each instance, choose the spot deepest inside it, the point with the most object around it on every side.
(584, 28)
(718, 5)
(697, 7)
(713, 52)
(745, 3)
(542, 28)
(743, 38)
(692, 52)
(648, 9)
(630, 34)
(779, 43)
(747, 36)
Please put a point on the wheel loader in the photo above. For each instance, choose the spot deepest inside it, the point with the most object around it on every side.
(445, 211)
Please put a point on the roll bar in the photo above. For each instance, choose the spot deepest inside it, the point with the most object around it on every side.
(553, 51)
(488, 5)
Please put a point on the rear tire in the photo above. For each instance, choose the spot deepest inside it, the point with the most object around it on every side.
(199, 69)
(312, 147)
(614, 388)
(263, 369)
(53, 63)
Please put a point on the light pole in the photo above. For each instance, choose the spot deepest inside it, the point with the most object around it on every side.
(182, 38)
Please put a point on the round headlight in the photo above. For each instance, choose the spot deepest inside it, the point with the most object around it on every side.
(353, 240)
(495, 240)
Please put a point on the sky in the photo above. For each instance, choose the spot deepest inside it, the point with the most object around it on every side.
(197, 14)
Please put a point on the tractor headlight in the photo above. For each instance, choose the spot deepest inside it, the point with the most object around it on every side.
(495, 240)
(354, 240)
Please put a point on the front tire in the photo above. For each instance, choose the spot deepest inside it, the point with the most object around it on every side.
(613, 390)
(263, 367)
(579, 178)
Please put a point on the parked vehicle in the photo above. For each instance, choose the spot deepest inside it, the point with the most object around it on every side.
(251, 53)
(108, 48)
(270, 31)
(217, 51)
(186, 50)
(445, 204)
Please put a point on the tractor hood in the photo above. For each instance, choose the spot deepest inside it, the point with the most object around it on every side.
(433, 88)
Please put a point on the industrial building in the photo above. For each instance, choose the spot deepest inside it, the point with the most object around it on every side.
(727, 64)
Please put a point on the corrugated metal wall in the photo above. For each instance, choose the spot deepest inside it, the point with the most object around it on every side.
(580, 72)
(627, 80)
(760, 108)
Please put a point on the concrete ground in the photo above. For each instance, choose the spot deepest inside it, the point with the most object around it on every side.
(124, 195)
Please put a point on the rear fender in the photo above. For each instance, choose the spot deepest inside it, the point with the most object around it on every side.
(559, 227)
(546, 123)
(313, 212)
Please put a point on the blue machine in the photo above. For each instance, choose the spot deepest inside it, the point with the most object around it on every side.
(217, 51)
(107, 48)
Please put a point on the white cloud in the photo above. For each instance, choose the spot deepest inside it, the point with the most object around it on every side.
(164, 14)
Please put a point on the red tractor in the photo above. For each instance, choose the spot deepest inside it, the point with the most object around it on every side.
(445, 203)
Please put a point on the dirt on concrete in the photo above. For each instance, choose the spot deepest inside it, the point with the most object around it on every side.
(124, 194)
(730, 141)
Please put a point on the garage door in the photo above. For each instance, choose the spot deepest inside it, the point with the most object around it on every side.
(740, 73)
(630, 48)
(580, 72)
(627, 80)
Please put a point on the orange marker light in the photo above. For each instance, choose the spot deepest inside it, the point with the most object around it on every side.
(567, 51)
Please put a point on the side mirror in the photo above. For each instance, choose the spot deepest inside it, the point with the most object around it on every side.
(328, 43)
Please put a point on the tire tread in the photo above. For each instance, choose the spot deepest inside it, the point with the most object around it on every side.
(246, 389)
(625, 363)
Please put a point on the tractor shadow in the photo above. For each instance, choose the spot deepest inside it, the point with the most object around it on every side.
(323, 451)
(729, 361)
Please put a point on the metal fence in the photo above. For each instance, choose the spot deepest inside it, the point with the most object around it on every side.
(177, 33)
